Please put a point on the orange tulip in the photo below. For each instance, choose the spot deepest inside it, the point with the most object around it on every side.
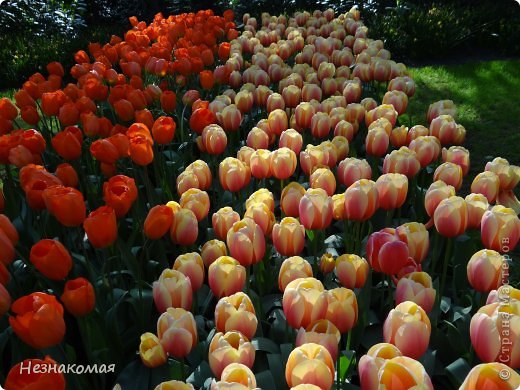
(66, 204)
(21, 378)
(236, 313)
(163, 130)
(124, 110)
(200, 118)
(67, 143)
(168, 101)
(206, 79)
(67, 174)
(158, 222)
(5, 300)
(38, 320)
(79, 297)
(101, 227)
(7, 227)
(51, 258)
(120, 192)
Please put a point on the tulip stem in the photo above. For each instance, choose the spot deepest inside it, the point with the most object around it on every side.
(389, 216)
(248, 274)
(447, 257)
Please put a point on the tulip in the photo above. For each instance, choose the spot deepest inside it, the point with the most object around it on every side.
(303, 115)
(342, 308)
(386, 253)
(327, 263)
(79, 297)
(212, 250)
(244, 101)
(275, 101)
(451, 216)
(450, 173)
(338, 207)
(38, 320)
(323, 178)
(231, 347)
(351, 270)
(8, 229)
(374, 359)
(397, 373)
(168, 101)
(191, 265)
(408, 328)
(262, 195)
(151, 351)
(457, 155)
(416, 237)
(383, 111)
(500, 229)
(235, 376)
(262, 215)
(361, 200)
(177, 332)
(101, 227)
(66, 204)
(315, 209)
(402, 161)
(226, 276)
(491, 376)
(289, 139)
(47, 376)
(223, 220)
(426, 148)
(485, 270)
(392, 189)
(416, 287)
(201, 171)
(290, 199)
(233, 174)
(377, 142)
(505, 198)
(173, 289)
(320, 125)
(477, 205)
(200, 118)
(441, 107)
(104, 151)
(486, 183)
(311, 157)
(310, 363)
(214, 139)
(5, 300)
(351, 170)
(444, 128)
(158, 222)
(509, 175)
(173, 385)
(184, 229)
(246, 242)
(278, 121)
(291, 96)
(197, 201)
(304, 301)
(504, 292)
(120, 192)
(437, 192)
(67, 174)
(257, 139)
(282, 162)
(260, 164)
(236, 313)
(322, 332)
(494, 334)
(51, 258)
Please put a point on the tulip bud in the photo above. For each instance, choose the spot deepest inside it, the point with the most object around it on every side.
(351, 270)
(184, 229)
(173, 289)
(426, 148)
(222, 221)
(402, 161)
(78, 297)
(290, 199)
(386, 253)
(304, 301)
(226, 276)
(486, 183)
(408, 328)
(233, 174)
(158, 222)
(310, 363)
(451, 216)
(416, 287)
(236, 313)
(437, 192)
(377, 142)
(488, 336)
(327, 263)
(361, 193)
(315, 209)
(500, 229)
(442, 107)
(397, 99)
(477, 205)
(246, 242)
(457, 155)
(151, 351)
(509, 175)
(416, 236)
(235, 376)
(342, 308)
(214, 139)
(212, 250)
(507, 199)
(392, 189)
(444, 128)
(177, 332)
(51, 259)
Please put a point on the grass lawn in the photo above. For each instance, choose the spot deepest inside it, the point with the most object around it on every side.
(487, 97)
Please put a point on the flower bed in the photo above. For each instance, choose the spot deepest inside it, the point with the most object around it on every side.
(207, 205)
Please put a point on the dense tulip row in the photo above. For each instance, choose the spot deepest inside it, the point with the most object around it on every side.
(275, 199)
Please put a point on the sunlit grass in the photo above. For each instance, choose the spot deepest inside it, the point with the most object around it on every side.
(486, 94)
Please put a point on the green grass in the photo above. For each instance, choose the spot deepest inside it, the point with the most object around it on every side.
(486, 95)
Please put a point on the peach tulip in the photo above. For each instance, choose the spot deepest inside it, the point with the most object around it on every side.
(427, 149)
(223, 220)
(451, 216)
(392, 189)
(403, 161)
(416, 236)
(235, 376)
(322, 332)
(226, 276)
(236, 312)
(477, 205)
(227, 348)
(172, 289)
(184, 229)
(491, 376)
(351, 170)
(310, 364)
(323, 178)
(246, 242)
(485, 270)
(361, 200)
(191, 265)
(408, 328)
(283, 162)
(177, 331)
(416, 287)
(437, 192)
(260, 164)
(500, 229)
(441, 107)
(288, 237)
(351, 270)
(315, 209)
(151, 351)
(509, 175)
(212, 250)
(486, 183)
(377, 142)
(197, 201)
(263, 195)
(293, 268)
(304, 301)
(342, 308)
(233, 174)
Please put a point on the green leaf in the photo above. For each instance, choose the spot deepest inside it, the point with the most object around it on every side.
(277, 367)
(445, 304)
(266, 345)
(457, 371)
(135, 376)
(265, 380)
(346, 359)
(200, 374)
